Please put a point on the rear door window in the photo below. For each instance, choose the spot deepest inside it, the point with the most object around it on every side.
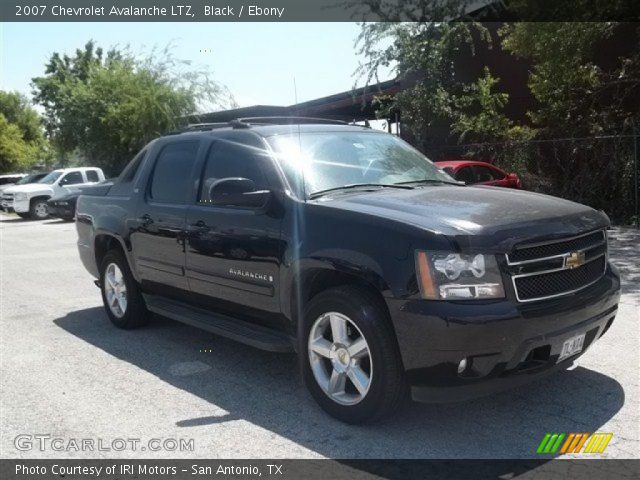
(171, 179)
(92, 176)
(124, 184)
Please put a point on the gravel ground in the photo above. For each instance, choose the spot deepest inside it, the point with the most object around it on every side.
(67, 373)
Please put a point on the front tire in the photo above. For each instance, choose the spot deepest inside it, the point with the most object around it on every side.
(351, 360)
(121, 294)
(39, 209)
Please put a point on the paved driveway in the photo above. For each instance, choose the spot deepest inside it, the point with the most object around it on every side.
(65, 371)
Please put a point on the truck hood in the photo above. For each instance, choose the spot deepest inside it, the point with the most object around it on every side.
(485, 217)
(31, 188)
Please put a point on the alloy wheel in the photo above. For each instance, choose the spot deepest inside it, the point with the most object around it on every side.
(41, 210)
(115, 290)
(340, 358)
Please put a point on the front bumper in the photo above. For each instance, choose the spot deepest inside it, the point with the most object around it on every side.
(21, 206)
(6, 205)
(506, 343)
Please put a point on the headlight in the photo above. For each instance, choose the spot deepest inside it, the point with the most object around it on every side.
(456, 276)
(20, 196)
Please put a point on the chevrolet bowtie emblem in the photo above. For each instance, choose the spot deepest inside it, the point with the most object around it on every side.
(574, 260)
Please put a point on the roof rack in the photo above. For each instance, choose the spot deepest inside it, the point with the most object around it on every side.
(201, 127)
(248, 121)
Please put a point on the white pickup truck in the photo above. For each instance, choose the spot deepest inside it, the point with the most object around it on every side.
(30, 201)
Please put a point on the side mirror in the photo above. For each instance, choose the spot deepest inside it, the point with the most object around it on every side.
(238, 192)
(515, 180)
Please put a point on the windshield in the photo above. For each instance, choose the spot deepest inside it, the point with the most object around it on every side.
(50, 178)
(330, 160)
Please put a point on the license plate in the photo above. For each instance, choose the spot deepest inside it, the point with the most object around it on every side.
(571, 347)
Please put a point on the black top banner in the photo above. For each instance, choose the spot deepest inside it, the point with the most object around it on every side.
(316, 10)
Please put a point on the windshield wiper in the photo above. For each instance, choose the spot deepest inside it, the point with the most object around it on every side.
(358, 185)
(429, 181)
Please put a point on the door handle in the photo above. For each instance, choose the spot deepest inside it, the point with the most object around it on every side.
(145, 220)
(199, 226)
(177, 233)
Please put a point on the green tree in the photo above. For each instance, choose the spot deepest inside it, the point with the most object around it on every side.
(55, 90)
(21, 136)
(579, 89)
(584, 78)
(14, 151)
(424, 55)
(17, 109)
(106, 106)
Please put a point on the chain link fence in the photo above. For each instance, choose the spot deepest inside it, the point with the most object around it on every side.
(598, 171)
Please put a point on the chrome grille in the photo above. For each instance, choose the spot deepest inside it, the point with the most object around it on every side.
(547, 250)
(560, 267)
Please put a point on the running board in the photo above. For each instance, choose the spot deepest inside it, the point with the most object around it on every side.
(239, 330)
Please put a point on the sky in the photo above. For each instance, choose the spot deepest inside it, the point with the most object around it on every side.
(256, 61)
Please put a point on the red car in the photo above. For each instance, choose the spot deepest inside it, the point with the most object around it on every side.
(472, 172)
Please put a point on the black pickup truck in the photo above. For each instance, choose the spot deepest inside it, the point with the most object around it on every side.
(351, 248)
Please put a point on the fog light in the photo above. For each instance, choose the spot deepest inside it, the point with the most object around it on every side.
(460, 292)
(462, 365)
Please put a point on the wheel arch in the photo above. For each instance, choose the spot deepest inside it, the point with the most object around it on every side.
(37, 198)
(32, 202)
(106, 241)
(315, 277)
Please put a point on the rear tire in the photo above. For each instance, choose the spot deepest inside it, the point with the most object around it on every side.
(355, 372)
(121, 294)
(39, 209)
